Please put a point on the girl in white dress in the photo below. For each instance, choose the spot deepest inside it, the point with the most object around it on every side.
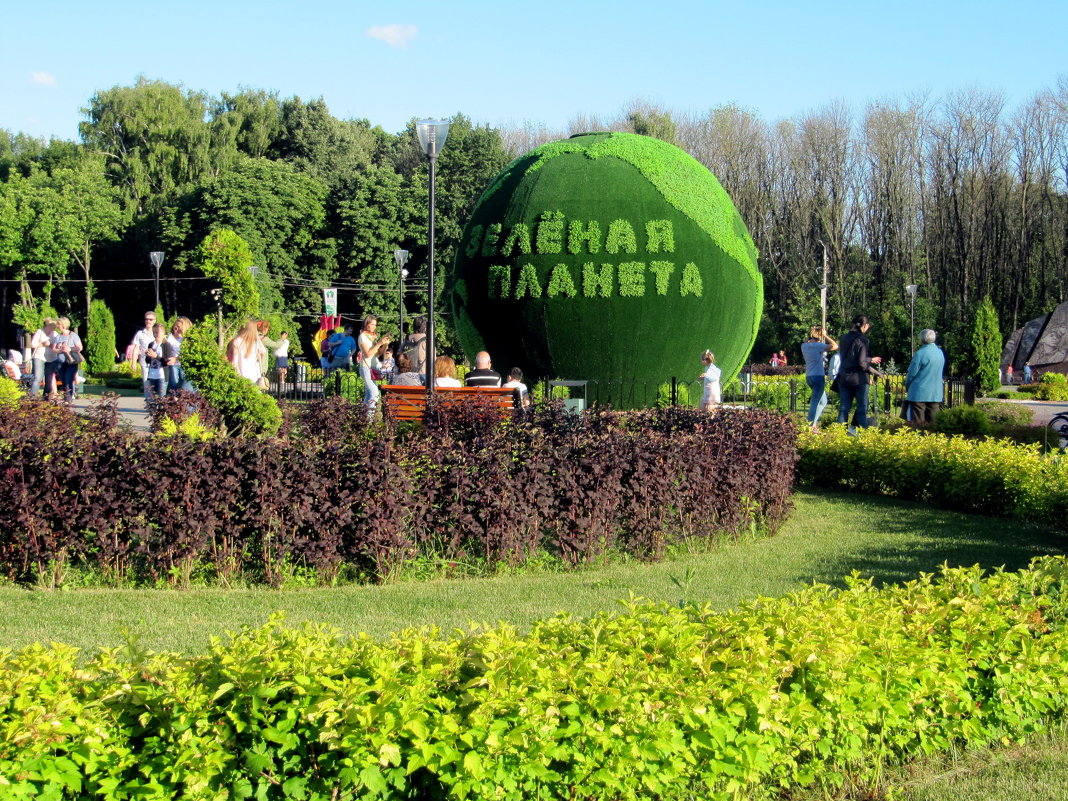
(710, 377)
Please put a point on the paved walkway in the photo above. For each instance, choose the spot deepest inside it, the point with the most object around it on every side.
(131, 409)
(1044, 410)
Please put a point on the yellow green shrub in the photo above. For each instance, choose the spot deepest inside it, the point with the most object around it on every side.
(988, 476)
(655, 702)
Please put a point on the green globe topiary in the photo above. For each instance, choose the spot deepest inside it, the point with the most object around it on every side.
(607, 256)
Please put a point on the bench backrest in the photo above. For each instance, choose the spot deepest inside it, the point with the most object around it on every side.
(409, 403)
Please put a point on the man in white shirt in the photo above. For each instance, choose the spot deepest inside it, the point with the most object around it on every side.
(142, 339)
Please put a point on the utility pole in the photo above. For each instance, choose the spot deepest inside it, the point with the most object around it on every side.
(824, 287)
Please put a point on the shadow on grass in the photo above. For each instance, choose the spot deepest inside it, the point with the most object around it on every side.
(907, 538)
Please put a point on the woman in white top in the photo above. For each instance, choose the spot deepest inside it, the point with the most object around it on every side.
(369, 351)
(44, 358)
(445, 372)
(245, 352)
(710, 376)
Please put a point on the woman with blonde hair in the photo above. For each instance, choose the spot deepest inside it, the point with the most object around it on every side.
(171, 348)
(445, 372)
(245, 351)
(68, 347)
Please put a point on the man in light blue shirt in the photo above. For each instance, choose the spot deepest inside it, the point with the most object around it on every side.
(924, 379)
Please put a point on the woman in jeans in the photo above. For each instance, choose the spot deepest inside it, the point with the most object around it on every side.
(68, 347)
(854, 373)
(818, 345)
(369, 352)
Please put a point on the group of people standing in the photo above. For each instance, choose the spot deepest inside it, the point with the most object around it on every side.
(857, 368)
(56, 354)
(158, 354)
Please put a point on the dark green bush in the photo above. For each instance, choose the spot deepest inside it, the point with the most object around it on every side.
(100, 338)
(964, 419)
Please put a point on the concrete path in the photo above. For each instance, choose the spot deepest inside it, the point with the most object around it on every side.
(131, 408)
(1044, 410)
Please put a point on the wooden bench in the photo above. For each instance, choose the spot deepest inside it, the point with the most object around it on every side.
(401, 403)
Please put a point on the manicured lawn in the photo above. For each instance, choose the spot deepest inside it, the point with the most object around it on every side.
(828, 536)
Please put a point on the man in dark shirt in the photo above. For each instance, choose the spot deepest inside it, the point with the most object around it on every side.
(482, 375)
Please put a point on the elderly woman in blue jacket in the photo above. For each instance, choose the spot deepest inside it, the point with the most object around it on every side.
(924, 379)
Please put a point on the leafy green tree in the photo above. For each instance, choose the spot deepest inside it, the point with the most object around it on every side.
(154, 136)
(278, 210)
(225, 256)
(90, 212)
(31, 240)
(100, 338)
(986, 348)
(316, 142)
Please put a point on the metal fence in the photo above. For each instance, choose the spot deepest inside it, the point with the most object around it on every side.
(306, 382)
(786, 394)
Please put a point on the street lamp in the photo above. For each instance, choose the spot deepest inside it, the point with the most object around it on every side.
(432, 135)
(156, 257)
(910, 290)
(401, 257)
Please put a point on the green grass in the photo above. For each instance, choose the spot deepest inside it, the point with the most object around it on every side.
(1037, 770)
(828, 536)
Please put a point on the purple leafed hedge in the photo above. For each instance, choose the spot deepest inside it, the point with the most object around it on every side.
(345, 499)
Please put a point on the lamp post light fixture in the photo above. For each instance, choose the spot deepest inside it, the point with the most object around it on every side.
(401, 257)
(910, 290)
(217, 296)
(432, 135)
(156, 257)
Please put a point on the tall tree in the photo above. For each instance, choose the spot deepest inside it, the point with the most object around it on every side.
(986, 348)
(90, 212)
(154, 136)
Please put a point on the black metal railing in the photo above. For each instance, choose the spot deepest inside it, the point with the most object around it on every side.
(786, 393)
(791, 393)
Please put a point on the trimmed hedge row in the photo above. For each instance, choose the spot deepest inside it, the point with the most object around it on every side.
(335, 495)
(994, 477)
(818, 688)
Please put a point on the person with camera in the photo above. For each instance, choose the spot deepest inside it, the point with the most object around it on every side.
(370, 352)
(856, 370)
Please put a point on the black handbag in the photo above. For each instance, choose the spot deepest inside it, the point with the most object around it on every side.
(834, 384)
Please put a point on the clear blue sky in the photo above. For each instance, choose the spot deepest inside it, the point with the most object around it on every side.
(545, 61)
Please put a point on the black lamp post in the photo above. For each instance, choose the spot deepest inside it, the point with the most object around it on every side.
(432, 135)
(401, 257)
